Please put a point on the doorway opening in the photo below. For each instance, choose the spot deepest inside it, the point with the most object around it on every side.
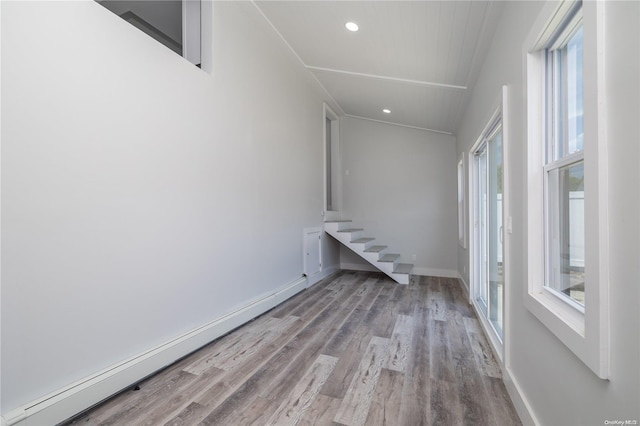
(487, 279)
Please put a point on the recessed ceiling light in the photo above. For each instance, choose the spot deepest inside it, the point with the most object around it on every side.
(351, 26)
(386, 111)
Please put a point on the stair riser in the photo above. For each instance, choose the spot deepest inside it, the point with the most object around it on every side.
(354, 235)
(401, 278)
(370, 257)
(386, 267)
(337, 226)
(344, 238)
(360, 247)
(373, 257)
(344, 225)
(332, 227)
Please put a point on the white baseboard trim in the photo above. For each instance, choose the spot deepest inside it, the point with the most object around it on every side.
(520, 402)
(73, 399)
(427, 272)
(513, 388)
(465, 286)
(434, 272)
(321, 275)
(328, 271)
(358, 267)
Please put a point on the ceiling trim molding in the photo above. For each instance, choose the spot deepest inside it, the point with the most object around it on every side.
(387, 78)
(298, 57)
(399, 124)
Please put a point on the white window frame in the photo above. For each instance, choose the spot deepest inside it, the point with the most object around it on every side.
(585, 332)
(334, 161)
(462, 234)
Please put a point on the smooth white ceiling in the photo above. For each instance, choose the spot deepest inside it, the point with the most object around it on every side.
(418, 58)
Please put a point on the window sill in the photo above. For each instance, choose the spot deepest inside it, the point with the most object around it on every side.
(557, 315)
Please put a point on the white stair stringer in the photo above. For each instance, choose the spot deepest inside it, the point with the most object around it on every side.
(365, 247)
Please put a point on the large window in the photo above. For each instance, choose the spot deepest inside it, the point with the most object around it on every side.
(567, 219)
(564, 165)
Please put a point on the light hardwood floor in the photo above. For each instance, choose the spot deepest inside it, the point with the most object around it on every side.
(354, 349)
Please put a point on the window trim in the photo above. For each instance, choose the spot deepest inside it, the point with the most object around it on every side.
(585, 334)
(462, 232)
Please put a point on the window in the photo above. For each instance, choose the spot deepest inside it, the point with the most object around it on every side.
(564, 165)
(567, 266)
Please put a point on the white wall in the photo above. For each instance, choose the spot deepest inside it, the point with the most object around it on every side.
(401, 188)
(141, 196)
(560, 389)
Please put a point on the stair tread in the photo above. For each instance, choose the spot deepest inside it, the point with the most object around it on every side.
(375, 249)
(363, 240)
(351, 230)
(403, 268)
(389, 257)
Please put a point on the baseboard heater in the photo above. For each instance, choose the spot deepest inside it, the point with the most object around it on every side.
(85, 393)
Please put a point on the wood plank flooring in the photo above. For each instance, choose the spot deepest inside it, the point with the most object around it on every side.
(354, 349)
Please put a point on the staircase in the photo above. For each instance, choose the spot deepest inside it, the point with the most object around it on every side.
(376, 255)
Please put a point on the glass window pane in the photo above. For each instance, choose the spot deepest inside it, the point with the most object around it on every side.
(575, 129)
(482, 204)
(496, 270)
(489, 280)
(565, 98)
(566, 231)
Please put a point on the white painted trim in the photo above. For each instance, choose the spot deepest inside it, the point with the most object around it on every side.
(76, 397)
(321, 276)
(399, 124)
(358, 267)
(421, 83)
(462, 199)
(2, 420)
(192, 37)
(206, 36)
(496, 345)
(507, 228)
(465, 286)
(520, 402)
(329, 114)
(425, 272)
(315, 278)
(434, 272)
(325, 273)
